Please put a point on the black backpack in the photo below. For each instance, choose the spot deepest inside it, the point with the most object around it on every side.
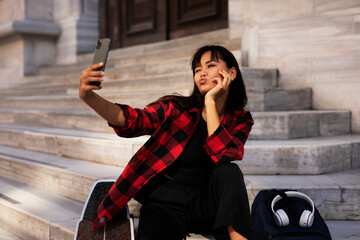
(265, 224)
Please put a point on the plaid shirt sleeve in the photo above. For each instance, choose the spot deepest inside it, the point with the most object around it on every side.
(226, 144)
(141, 121)
(162, 149)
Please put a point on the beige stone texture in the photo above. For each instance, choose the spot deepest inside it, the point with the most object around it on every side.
(313, 43)
(39, 9)
(11, 61)
(11, 10)
(66, 48)
(78, 20)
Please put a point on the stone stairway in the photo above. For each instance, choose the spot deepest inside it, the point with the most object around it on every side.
(53, 147)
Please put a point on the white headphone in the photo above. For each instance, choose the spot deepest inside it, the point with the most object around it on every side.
(281, 218)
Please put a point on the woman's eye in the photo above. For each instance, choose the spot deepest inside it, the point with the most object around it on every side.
(211, 65)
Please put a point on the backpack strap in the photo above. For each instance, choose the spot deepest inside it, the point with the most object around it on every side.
(280, 192)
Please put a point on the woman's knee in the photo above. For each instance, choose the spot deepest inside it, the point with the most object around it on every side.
(228, 171)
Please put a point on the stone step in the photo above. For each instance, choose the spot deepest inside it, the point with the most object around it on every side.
(35, 89)
(168, 82)
(179, 80)
(32, 213)
(73, 75)
(340, 230)
(260, 99)
(71, 68)
(183, 80)
(159, 52)
(253, 77)
(90, 146)
(316, 155)
(173, 65)
(156, 64)
(297, 156)
(63, 176)
(86, 120)
(6, 235)
(334, 194)
(44, 215)
(136, 99)
(181, 47)
(278, 99)
(120, 72)
(268, 125)
(300, 124)
(162, 56)
(142, 59)
(126, 70)
(260, 77)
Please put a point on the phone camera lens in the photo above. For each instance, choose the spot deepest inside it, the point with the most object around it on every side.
(98, 45)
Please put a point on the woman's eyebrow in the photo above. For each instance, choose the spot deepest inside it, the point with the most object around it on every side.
(212, 60)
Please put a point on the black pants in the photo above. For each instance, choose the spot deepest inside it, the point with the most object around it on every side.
(172, 210)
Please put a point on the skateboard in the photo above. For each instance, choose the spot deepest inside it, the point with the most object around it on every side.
(119, 227)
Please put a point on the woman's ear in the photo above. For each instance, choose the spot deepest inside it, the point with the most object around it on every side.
(233, 73)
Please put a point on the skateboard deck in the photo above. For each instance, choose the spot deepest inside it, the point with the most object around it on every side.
(119, 227)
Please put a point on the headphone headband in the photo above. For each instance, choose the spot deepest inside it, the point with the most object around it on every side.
(293, 194)
(309, 216)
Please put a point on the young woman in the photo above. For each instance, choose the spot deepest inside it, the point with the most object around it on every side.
(183, 174)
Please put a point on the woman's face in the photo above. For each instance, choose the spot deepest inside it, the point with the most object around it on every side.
(207, 71)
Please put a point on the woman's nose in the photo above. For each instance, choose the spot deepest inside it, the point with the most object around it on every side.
(203, 73)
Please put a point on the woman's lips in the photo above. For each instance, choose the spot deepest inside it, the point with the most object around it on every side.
(202, 80)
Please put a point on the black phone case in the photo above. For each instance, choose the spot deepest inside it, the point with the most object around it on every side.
(100, 55)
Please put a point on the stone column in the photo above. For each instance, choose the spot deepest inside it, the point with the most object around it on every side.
(27, 38)
(80, 24)
(238, 29)
(37, 33)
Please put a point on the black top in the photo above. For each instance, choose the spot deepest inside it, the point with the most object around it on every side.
(193, 166)
(190, 172)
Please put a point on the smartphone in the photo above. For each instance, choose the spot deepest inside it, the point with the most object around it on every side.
(100, 55)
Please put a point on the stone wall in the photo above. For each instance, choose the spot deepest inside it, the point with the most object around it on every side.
(27, 38)
(36, 33)
(11, 61)
(10, 47)
(314, 43)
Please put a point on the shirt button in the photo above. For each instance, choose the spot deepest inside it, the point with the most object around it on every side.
(102, 220)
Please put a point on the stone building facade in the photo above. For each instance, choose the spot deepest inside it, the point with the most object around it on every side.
(313, 43)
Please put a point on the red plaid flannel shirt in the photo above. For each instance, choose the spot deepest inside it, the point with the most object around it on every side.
(170, 127)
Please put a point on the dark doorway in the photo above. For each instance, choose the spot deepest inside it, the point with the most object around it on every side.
(132, 22)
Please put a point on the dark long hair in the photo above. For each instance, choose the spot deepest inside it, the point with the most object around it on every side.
(237, 97)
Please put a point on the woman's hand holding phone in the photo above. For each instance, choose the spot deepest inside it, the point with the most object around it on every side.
(100, 56)
(91, 79)
(88, 76)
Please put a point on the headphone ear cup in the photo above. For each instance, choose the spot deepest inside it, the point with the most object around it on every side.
(281, 218)
(306, 219)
